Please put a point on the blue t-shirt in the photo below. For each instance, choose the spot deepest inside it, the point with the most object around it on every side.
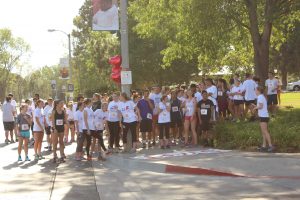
(144, 108)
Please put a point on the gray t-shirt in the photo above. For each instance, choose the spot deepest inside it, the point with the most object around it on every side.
(24, 125)
(8, 110)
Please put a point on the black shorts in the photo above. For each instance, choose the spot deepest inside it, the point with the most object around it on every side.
(205, 126)
(238, 102)
(176, 123)
(48, 130)
(248, 103)
(264, 119)
(272, 99)
(146, 125)
(9, 126)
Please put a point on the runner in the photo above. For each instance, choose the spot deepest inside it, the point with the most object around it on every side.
(279, 89)
(14, 104)
(146, 106)
(100, 117)
(205, 109)
(71, 124)
(78, 117)
(156, 97)
(212, 92)
(114, 123)
(164, 120)
(272, 88)
(222, 99)
(23, 122)
(263, 114)
(88, 128)
(230, 99)
(38, 129)
(190, 118)
(59, 119)
(48, 112)
(176, 117)
(238, 99)
(8, 111)
(131, 115)
(250, 96)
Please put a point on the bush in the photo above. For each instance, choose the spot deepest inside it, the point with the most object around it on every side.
(284, 130)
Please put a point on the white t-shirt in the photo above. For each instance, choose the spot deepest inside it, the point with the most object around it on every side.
(127, 110)
(157, 99)
(238, 89)
(47, 112)
(38, 113)
(106, 20)
(213, 90)
(113, 114)
(7, 111)
(70, 114)
(74, 107)
(189, 107)
(198, 96)
(29, 111)
(272, 86)
(78, 116)
(14, 104)
(99, 118)
(90, 119)
(261, 99)
(249, 88)
(164, 116)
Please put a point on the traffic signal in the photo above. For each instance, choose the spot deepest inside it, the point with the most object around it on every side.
(116, 62)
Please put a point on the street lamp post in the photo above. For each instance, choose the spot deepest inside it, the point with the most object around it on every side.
(69, 46)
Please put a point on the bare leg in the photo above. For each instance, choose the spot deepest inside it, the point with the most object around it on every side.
(20, 145)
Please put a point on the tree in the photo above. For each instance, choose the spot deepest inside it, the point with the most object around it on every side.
(12, 49)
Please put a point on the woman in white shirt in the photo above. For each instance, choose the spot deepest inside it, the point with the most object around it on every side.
(237, 92)
(190, 106)
(164, 120)
(78, 117)
(71, 123)
(114, 122)
(131, 115)
(263, 115)
(38, 129)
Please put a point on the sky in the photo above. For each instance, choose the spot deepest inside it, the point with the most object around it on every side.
(30, 20)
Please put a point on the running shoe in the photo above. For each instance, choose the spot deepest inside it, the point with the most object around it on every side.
(54, 160)
(27, 158)
(41, 157)
(270, 149)
(64, 156)
(12, 141)
(50, 148)
(62, 160)
(149, 145)
(36, 157)
(46, 147)
(89, 158)
(144, 146)
(7, 141)
(262, 149)
(19, 158)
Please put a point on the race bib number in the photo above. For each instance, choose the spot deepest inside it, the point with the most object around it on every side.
(25, 127)
(175, 109)
(220, 93)
(113, 114)
(203, 111)
(59, 122)
(149, 116)
(126, 116)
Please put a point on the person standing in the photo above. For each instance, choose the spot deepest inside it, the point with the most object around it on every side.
(164, 120)
(114, 123)
(8, 119)
(146, 106)
(48, 124)
(176, 116)
(272, 88)
(14, 104)
(237, 92)
(38, 129)
(156, 97)
(249, 86)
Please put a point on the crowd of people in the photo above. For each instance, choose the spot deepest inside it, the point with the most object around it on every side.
(163, 117)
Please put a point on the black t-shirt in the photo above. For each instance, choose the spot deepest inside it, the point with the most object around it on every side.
(205, 107)
(175, 110)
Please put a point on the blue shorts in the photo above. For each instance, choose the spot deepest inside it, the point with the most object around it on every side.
(25, 134)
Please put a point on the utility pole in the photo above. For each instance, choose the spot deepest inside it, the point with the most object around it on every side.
(124, 44)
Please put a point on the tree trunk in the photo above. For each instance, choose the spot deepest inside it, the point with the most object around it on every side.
(284, 77)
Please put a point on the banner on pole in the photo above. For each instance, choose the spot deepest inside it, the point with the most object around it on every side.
(64, 68)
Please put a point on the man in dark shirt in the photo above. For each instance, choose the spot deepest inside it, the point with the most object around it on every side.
(205, 109)
(96, 102)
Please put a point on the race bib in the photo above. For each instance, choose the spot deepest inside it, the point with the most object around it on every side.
(203, 111)
(25, 127)
(59, 122)
(149, 116)
(220, 93)
(113, 114)
(175, 109)
(126, 116)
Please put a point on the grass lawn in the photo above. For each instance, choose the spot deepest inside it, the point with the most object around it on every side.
(290, 99)
(284, 129)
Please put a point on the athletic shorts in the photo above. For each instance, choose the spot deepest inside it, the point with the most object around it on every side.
(238, 102)
(189, 118)
(205, 125)
(146, 125)
(272, 99)
(248, 103)
(25, 134)
(155, 119)
(9, 126)
(48, 130)
(264, 119)
(71, 122)
(176, 123)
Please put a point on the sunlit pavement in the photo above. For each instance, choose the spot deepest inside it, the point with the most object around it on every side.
(127, 176)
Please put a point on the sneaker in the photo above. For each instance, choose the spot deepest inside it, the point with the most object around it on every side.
(19, 158)
(27, 158)
(149, 145)
(262, 149)
(12, 141)
(46, 147)
(7, 141)
(50, 148)
(62, 160)
(144, 146)
(54, 160)
(41, 157)
(153, 143)
(89, 158)
(36, 157)
(270, 149)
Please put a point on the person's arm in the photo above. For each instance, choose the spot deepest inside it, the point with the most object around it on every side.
(38, 122)
(52, 121)
(85, 119)
(150, 104)
(199, 115)
(259, 106)
(138, 113)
